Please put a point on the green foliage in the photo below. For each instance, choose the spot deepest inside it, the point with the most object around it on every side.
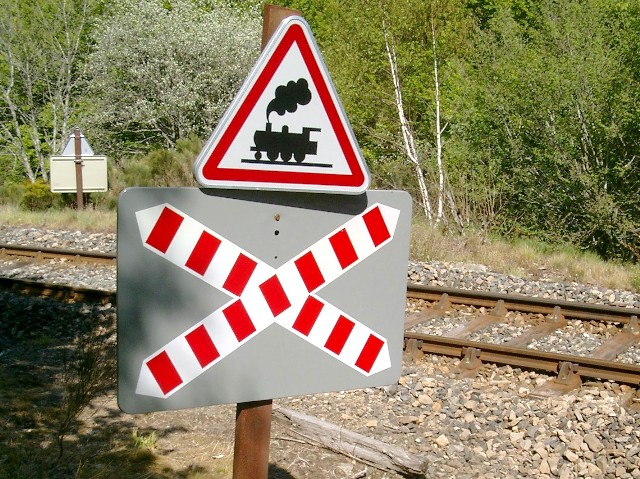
(539, 100)
(11, 194)
(104, 201)
(547, 107)
(43, 45)
(37, 196)
(144, 441)
(158, 74)
(160, 167)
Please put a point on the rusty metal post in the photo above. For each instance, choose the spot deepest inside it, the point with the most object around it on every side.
(78, 162)
(253, 433)
(253, 419)
(272, 16)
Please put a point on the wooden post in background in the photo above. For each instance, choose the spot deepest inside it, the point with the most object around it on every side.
(253, 419)
(272, 16)
(78, 162)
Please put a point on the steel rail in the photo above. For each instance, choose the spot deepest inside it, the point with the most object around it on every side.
(514, 302)
(525, 304)
(55, 253)
(528, 358)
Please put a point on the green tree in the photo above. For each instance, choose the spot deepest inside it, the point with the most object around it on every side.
(42, 44)
(387, 115)
(162, 70)
(547, 109)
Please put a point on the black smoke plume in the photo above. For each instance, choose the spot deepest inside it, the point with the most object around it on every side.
(289, 96)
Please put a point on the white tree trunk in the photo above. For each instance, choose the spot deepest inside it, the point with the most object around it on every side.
(407, 134)
(31, 66)
(11, 130)
(439, 131)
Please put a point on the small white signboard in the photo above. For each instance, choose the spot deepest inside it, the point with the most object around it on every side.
(63, 174)
(62, 168)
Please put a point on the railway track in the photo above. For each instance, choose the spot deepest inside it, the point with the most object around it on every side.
(37, 253)
(601, 364)
(570, 369)
(524, 304)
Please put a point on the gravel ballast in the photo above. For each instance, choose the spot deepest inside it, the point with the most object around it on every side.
(483, 427)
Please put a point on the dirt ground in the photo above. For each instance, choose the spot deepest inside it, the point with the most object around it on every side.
(59, 416)
(102, 441)
(199, 443)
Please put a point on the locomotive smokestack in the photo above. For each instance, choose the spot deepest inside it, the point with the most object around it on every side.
(289, 96)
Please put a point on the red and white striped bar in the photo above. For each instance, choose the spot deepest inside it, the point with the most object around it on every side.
(338, 252)
(191, 246)
(338, 334)
(319, 322)
(186, 357)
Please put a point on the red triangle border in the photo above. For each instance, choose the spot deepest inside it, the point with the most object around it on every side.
(294, 34)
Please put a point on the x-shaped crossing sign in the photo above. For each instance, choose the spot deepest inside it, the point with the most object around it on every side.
(262, 295)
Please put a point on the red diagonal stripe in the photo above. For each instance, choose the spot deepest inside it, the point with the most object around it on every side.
(275, 296)
(164, 230)
(343, 248)
(338, 337)
(239, 320)
(308, 315)
(203, 253)
(309, 271)
(164, 372)
(239, 275)
(202, 346)
(369, 353)
(376, 226)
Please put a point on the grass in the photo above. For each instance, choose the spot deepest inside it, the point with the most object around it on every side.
(144, 441)
(93, 220)
(524, 258)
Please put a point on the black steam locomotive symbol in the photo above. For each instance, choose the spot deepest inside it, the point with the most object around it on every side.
(285, 144)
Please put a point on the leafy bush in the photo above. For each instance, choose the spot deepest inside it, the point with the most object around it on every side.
(11, 194)
(190, 59)
(162, 167)
(37, 196)
(104, 201)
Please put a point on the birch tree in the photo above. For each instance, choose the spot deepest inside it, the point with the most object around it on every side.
(431, 131)
(405, 128)
(41, 48)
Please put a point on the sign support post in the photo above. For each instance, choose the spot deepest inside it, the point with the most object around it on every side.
(253, 433)
(253, 419)
(78, 162)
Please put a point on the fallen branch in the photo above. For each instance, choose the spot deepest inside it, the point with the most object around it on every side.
(356, 446)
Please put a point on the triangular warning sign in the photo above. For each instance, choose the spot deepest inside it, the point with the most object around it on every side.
(286, 129)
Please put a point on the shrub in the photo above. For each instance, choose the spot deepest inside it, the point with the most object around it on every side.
(37, 197)
(11, 194)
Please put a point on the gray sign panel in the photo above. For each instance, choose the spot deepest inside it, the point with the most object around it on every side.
(228, 297)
